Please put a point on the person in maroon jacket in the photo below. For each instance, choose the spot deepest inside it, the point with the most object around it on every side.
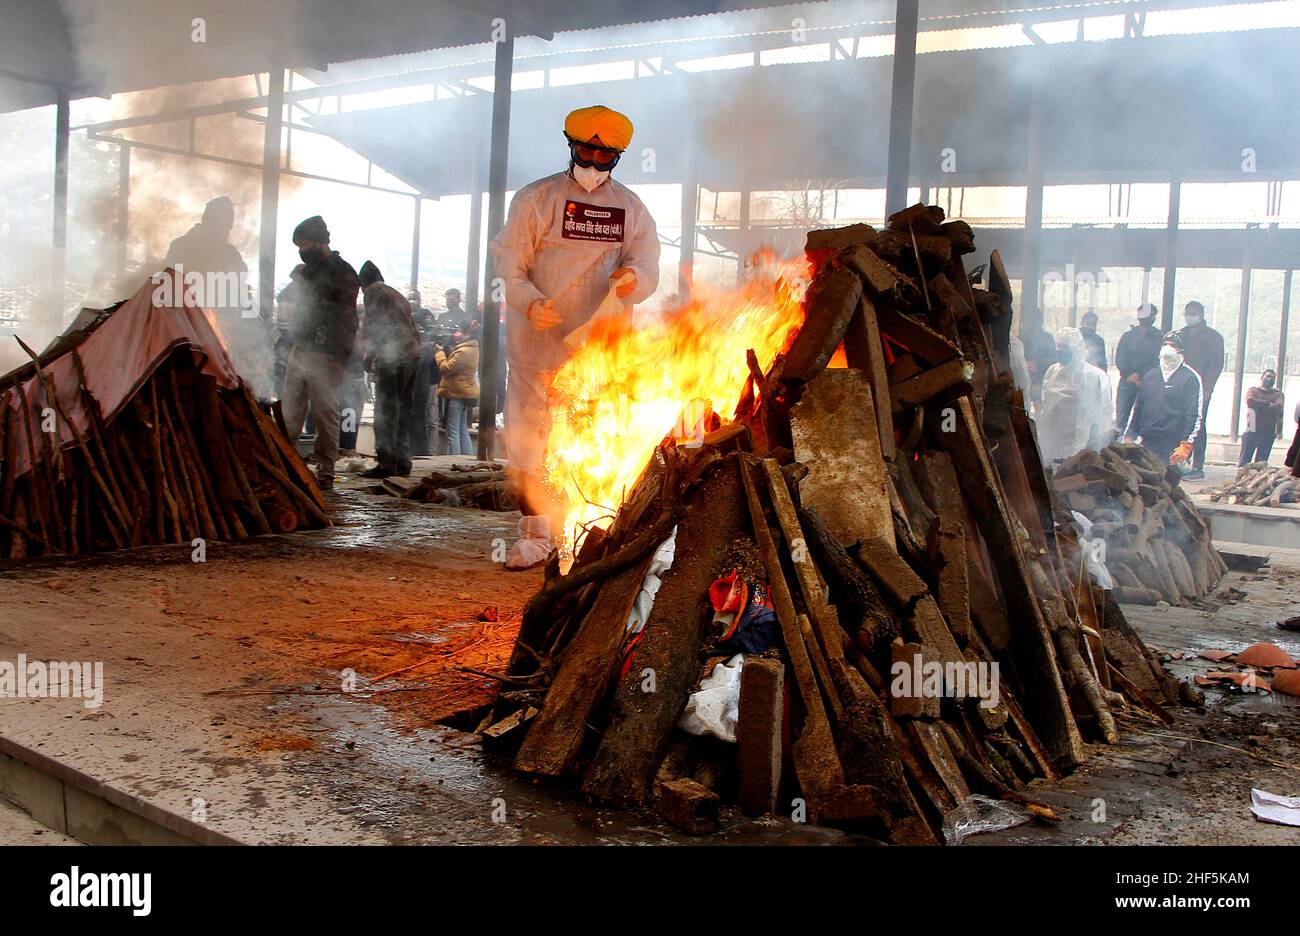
(1263, 417)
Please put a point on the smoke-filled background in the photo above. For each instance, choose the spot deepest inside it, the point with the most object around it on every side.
(779, 114)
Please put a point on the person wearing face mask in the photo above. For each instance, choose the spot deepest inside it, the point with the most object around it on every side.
(1264, 406)
(1204, 353)
(1167, 417)
(1076, 401)
(323, 332)
(1135, 355)
(568, 238)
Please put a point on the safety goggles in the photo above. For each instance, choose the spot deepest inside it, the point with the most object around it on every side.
(586, 155)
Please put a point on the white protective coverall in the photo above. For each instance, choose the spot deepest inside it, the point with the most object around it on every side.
(1077, 408)
(561, 243)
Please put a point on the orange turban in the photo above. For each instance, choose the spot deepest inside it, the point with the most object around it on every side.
(587, 123)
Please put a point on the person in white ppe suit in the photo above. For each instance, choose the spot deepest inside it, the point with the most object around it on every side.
(1077, 405)
(569, 239)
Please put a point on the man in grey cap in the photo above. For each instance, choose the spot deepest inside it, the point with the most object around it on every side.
(323, 332)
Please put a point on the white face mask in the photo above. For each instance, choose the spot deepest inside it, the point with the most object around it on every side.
(1170, 360)
(589, 178)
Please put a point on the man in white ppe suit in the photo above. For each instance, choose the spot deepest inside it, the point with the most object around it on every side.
(568, 237)
(1077, 407)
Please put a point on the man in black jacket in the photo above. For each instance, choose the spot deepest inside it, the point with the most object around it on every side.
(1167, 415)
(323, 331)
(1204, 350)
(1093, 342)
(390, 342)
(1136, 353)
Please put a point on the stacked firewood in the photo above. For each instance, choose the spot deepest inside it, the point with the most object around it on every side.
(1259, 485)
(1159, 547)
(182, 459)
(480, 485)
(899, 514)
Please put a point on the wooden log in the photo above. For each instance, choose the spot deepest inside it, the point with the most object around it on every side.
(836, 436)
(920, 339)
(953, 585)
(581, 683)
(831, 303)
(758, 734)
(208, 408)
(1031, 649)
(863, 350)
(853, 587)
(640, 722)
(816, 762)
(39, 482)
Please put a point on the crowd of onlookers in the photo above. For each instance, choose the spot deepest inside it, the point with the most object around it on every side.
(1166, 382)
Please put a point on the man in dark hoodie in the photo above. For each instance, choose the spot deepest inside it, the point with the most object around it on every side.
(390, 348)
(1135, 355)
(1204, 350)
(323, 331)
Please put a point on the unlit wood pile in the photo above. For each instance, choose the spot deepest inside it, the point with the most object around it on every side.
(1159, 547)
(897, 508)
(1259, 485)
(482, 486)
(181, 460)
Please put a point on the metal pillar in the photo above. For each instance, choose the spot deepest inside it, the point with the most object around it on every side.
(472, 260)
(270, 192)
(902, 93)
(492, 296)
(62, 137)
(690, 213)
(1029, 309)
(415, 244)
(742, 228)
(1243, 310)
(123, 203)
(1171, 257)
(1282, 329)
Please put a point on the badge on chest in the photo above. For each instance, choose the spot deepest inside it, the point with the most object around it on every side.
(593, 222)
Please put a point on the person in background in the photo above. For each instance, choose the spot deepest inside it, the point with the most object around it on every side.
(1292, 459)
(390, 347)
(422, 317)
(323, 331)
(205, 249)
(1095, 344)
(426, 377)
(352, 399)
(1135, 355)
(1203, 348)
(570, 238)
(1040, 354)
(1264, 405)
(1167, 417)
(1076, 409)
(459, 386)
(454, 314)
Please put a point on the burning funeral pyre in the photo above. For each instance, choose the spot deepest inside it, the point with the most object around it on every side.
(134, 428)
(867, 551)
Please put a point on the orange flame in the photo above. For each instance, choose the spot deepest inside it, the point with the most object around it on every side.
(624, 390)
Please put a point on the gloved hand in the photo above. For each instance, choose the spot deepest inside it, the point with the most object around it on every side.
(541, 313)
(624, 289)
(1181, 454)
